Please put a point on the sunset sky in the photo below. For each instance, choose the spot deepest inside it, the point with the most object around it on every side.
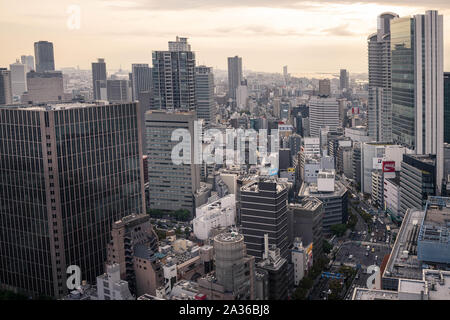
(308, 36)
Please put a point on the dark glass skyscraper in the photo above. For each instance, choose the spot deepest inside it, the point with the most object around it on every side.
(417, 85)
(98, 75)
(234, 75)
(447, 107)
(5, 86)
(45, 59)
(68, 171)
(344, 80)
(403, 98)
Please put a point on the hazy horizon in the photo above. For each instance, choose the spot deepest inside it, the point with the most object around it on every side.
(311, 37)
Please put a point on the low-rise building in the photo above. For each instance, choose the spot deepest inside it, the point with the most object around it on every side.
(111, 287)
(219, 213)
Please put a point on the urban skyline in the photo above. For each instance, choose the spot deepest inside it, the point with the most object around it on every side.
(178, 180)
(301, 34)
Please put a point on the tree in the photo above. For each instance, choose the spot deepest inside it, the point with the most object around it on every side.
(326, 247)
(335, 287)
(161, 234)
(338, 229)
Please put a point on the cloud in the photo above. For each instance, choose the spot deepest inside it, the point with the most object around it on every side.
(179, 5)
(340, 31)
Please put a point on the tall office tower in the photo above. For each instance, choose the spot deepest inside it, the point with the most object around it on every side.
(344, 80)
(134, 242)
(44, 87)
(417, 85)
(342, 111)
(286, 75)
(264, 210)
(118, 90)
(141, 82)
(235, 76)
(5, 86)
(171, 186)
(380, 80)
(242, 96)
(173, 77)
(447, 107)
(43, 53)
(76, 170)
(324, 88)
(18, 79)
(323, 112)
(204, 94)
(28, 61)
(98, 75)
(417, 181)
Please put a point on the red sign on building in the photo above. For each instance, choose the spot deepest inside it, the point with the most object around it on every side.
(388, 166)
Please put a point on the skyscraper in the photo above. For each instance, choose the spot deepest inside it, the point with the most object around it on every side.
(380, 80)
(28, 61)
(324, 87)
(18, 78)
(98, 75)
(264, 211)
(118, 90)
(235, 76)
(171, 186)
(173, 77)
(141, 82)
(77, 170)
(43, 52)
(417, 85)
(5, 86)
(344, 80)
(323, 112)
(447, 107)
(204, 93)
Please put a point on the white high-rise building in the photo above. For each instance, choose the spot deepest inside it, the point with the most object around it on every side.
(18, 79)
(28, 61)
(111, 287)
(241, 96)
(323, 112)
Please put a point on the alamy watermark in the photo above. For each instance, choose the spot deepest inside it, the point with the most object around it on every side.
(74, 19)
(232, 146)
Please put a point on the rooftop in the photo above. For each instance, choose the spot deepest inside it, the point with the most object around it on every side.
(308, 203)
(370, 294)
(403, 262)
(311, 189)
